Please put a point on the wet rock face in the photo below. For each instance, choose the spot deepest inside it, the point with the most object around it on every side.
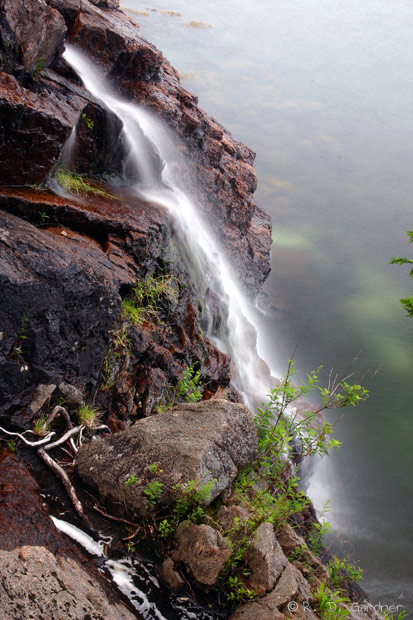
(38, 119)
(202, 441)
(119, 240)
(58, 299)
(33, 129)
(34, 31)
(221, 174)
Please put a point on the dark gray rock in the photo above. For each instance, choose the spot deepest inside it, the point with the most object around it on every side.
(58, 299)
(201, 441)
(203, 550)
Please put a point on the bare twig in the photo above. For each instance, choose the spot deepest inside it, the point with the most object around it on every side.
(108, 516)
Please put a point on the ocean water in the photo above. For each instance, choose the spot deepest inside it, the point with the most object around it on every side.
(323, 92)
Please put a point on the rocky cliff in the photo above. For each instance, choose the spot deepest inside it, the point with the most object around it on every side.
(66, 263)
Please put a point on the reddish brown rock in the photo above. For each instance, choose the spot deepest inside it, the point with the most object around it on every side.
(254, 610)
(112, 39)
(128, 238)
(150, 387)
(265, 560)
(232, 517)
(291, 586)
(170, 576)
(34, 31)
(221, 173)
(203, 550)
(306, 561)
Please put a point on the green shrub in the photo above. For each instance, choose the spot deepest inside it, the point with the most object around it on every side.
(189, 386)
(407, 302)
(342, 570)
(328, 604)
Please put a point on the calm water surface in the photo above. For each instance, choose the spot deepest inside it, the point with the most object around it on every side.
(323, 91)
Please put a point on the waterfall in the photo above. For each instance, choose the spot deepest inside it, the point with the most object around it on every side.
(141, 129)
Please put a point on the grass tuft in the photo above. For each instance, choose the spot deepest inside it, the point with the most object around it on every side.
(74, 183)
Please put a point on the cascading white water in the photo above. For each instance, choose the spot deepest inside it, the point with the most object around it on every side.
(141, 128)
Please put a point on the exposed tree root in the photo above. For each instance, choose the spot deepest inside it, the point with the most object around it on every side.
(52, 463)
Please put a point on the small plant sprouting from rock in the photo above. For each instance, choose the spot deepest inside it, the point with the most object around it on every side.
(130, 480)
(40, 428)
(328, 603)
(21, 336)
(12, 445)
(155, 468)
(74, 183)
(90, 124)
(120, 346)
(153, 492)
(147, 296)
(38, 68)
(342, 570)
(89, 416)
(43, 218)
(189, 386)
(188, 389)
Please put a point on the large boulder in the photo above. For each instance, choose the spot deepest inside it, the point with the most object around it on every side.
(201, 441)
